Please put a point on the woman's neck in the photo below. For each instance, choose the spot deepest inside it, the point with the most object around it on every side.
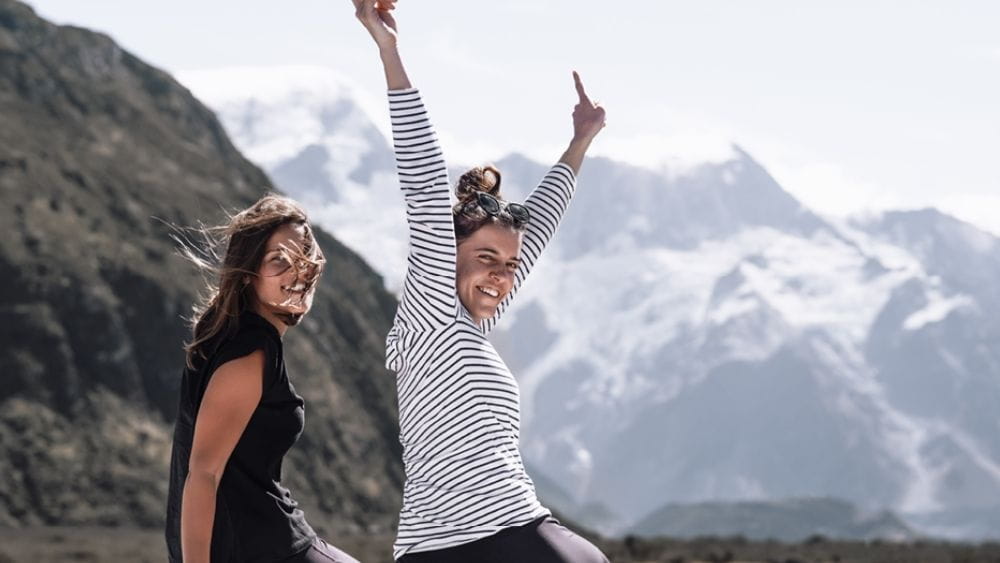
(271, 317)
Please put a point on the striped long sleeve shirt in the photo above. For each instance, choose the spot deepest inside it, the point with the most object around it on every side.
(459, 405)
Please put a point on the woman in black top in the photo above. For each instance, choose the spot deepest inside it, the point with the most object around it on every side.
(239, 413)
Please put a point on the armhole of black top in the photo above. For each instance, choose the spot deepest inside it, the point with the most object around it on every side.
(243, 345)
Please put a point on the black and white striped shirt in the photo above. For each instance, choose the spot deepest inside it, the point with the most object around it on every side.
(459, 406)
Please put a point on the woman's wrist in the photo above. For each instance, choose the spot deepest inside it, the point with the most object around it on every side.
(580, 143)
(577, 149)
(388, 50)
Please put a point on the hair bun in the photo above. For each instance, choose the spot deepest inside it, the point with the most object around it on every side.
(478, 179)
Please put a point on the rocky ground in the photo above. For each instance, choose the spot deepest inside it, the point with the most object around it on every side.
(44, 545)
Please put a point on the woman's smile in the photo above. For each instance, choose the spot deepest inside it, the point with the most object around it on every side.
(494, 293)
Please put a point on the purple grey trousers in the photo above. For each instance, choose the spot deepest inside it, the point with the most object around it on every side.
(543, 540)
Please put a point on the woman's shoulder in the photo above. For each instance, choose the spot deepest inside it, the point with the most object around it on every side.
(250, 333)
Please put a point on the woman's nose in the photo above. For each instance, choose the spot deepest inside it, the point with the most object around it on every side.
(502, 275)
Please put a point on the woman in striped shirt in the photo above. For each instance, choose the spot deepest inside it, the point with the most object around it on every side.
(467, 495)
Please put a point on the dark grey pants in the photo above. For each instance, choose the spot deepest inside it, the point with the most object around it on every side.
(544, 540)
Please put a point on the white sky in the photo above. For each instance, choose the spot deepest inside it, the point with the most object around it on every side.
(852, 105)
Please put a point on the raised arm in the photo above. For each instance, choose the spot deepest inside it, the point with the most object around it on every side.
(549, 200)
(428, 298)
(377, 18)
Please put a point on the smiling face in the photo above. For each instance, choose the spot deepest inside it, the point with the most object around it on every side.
(281, 291)
(484, 268)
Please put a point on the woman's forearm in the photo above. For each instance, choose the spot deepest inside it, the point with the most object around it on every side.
(573, 157)
(198, 516)
(395, 74)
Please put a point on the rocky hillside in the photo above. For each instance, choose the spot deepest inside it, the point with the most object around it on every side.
(97, 151)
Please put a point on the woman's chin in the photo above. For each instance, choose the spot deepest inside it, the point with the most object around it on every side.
(480, 309)
(289, 314)
(486, 311)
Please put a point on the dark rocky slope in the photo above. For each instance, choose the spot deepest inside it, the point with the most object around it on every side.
(95, 147)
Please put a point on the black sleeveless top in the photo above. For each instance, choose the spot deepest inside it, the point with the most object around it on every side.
(256, 519)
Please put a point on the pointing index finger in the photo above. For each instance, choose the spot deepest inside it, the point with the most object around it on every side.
(579, 88)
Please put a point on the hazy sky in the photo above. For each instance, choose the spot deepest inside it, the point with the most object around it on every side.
(850, 104)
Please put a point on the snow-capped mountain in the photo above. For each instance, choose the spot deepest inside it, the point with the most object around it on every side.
(718, 345)
(699, 335)
(311, 130)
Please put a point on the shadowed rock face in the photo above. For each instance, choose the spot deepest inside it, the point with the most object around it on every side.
(96, 148)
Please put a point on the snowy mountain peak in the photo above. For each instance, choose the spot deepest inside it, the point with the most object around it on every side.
(965, 257)
(921, 227)
(274, 113)
(267, 84)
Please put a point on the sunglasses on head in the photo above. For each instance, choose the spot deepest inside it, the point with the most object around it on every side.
(493, 207)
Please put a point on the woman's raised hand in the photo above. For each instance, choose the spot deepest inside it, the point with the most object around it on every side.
(588, 120)
(376, 16)
(588, 116)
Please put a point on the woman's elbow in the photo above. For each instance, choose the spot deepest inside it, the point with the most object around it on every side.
(205, 471)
